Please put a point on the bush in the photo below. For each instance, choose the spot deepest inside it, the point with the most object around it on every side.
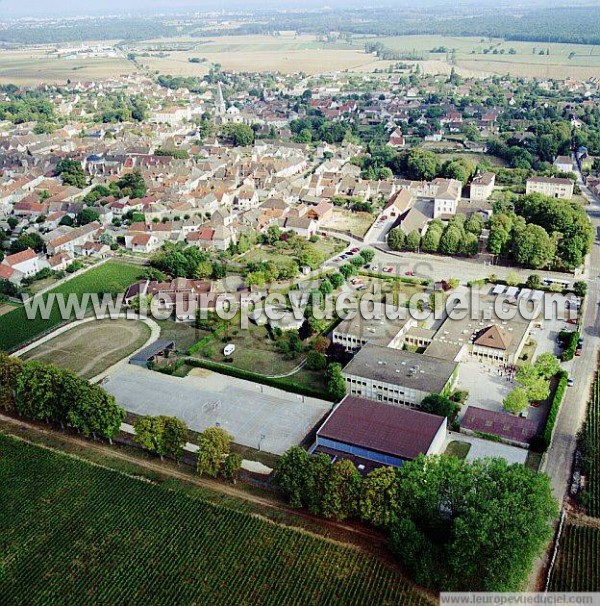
(569, 352)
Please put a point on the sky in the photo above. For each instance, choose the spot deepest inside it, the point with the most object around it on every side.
(42, 8)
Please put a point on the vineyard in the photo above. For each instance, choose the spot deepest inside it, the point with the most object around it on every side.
(588, 445)
(79, 534)
(577, 566)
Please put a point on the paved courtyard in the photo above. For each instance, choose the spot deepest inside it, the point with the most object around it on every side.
(256, 415)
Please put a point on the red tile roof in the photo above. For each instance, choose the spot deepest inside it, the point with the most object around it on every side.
(394, 430)
(20, 257)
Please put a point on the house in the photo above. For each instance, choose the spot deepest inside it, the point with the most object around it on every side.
(25, 262)
(482, 186)
(302, 225)
(446, 196)
(143, 243)
(399, 203)
(71, 238)
(398, 377)
(550, 186)
(373, 434)
(397, 139)
(94, 249)
(9, 273)
(563, 164)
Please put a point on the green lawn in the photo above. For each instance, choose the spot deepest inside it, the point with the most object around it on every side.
(79, 534)
(112, 277)
(458, 449)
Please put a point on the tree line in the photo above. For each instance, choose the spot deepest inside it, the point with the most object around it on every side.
(44, 392)
(455, 525)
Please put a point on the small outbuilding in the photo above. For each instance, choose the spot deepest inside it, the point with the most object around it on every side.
(153, 353)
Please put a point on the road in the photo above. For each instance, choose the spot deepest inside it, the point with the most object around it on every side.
(572, 413)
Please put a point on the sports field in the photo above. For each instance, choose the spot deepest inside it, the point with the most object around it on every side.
(89, 349)
(112, 277)
(77, 534)
(256, 415)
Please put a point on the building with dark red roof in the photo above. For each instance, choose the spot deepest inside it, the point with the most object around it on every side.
(375, 434)
(514, 430)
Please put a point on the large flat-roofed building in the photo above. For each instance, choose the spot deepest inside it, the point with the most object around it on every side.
(354, 333)
(550, 186)
(373, 434)
(398, 377)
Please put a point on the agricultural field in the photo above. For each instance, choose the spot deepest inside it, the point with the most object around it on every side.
(7, 306)
(288, 54)
(112, 277)
(564, 60)
(31, 66)
(82, 534)
(90, 348)
(577, 566)
(590, 437)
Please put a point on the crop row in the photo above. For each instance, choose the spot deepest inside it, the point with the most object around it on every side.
(577, 567)
(81, 534)
(589, 445)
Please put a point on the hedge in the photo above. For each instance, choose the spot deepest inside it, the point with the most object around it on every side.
(569, 351)
(282, 383)
(392, 278)
(541, 442)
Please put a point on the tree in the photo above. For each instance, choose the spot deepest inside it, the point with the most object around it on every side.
(341, 490)
(241, 134)
(439, 405)
(413, 241)
(231, 466)
(449, 512)
(368, 254)
(533, 247)
(175, 436)
(474, 224)
(431, 240)
(336, 280)
(451, 240)
(132, 185)
(547, 365)
(533, 281)
(469, 245)
(149, 434)
(378, 496)
(336, 384)
(532, 380)
(87, 215)
(580, 288)
(396, 239)
(420, 165)
(516, 401)
(292, 472)
(10, 369)
(71, 173)
(214, 445)
(316, 360)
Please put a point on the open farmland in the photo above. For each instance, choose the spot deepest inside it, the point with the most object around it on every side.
(91, 348)
(564, 60)
(577, 566)
(81, 534)
(288, 54)
(112, 277)
(31, 66)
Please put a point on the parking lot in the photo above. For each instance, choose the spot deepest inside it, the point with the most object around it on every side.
(256, 415)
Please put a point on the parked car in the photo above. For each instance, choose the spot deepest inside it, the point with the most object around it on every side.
(354, 250)
(409, 273)
(571, 321)
(388, 270)
(571, 382)
(578, 351)
(374, 267)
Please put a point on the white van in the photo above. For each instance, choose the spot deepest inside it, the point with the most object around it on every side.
(229, 349)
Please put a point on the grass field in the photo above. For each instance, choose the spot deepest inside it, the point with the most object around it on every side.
(577, 566)
(78, 534)
(91, 348)
(7, 307)
(468, 55)
(355, 223)
(112, 277)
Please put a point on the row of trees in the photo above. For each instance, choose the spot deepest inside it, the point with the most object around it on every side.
(455, 525)
(167, 436)
(181, 261)
(460, 236)
(43, 392)
(542, 232)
